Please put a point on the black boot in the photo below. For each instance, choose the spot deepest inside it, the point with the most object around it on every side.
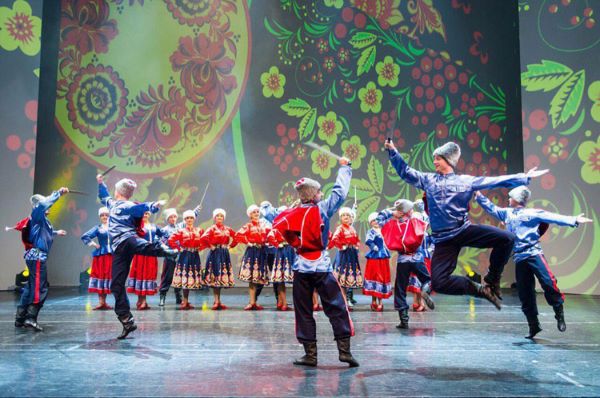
(20, 317)
(344, 351)
(128, 325)
(310, 356)
(534, 326)
(559, 315)
(477, 290)
(31, 318)
(163, 297)
(494, 285)
(425, 290)
(350, 294)
(403, 319)
(178, 298)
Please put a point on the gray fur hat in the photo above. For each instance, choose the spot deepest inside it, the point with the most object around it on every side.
(520, 194)
(404, 205)
(450, 151)
(125, 187)
(35, 199)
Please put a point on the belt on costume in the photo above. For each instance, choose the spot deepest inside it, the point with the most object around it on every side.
(255, 245)
(190, 249)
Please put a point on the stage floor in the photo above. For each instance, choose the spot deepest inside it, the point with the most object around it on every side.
(464, 348)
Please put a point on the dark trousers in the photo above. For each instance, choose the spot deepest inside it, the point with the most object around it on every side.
(166, 276)
(403, 271)
(445, 257)
(120, 268)
(526, 271)
(333, 302)
(35, 291)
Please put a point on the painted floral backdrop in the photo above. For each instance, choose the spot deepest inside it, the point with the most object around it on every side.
(560, 43)
(20, 31)
(230, 92)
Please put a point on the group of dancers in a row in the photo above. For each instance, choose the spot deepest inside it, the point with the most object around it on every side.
(298, 239)
(268, 257)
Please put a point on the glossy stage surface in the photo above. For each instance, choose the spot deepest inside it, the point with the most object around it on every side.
(463, 348)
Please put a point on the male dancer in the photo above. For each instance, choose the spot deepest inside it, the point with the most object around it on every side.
(306, 228)
(407, 261)
(123, 225)
(40, 239)
(530, 262)
(448, 196)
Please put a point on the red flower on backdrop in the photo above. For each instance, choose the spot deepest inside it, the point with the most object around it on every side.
(86, 26)
(556, 149)
(290, 151)
(205, 72)
(478, 49)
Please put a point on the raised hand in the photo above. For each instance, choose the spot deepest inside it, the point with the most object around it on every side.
(581, 219)
(534, 172)
(389, 145)
(63, 190)
(160, 203)
(478, 194)
(99, 178)
(344, 161)
(61, 232)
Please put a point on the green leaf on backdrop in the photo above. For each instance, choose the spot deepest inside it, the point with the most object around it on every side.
(307, 124)
(296, 107)
(367, 206)
(366, 60)
(567, 99)
(364, 189)
(362, 39)
(545, 76)
(375, 172)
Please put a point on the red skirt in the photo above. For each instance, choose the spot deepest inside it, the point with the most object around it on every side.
(414, 285)
(142, 277)
(378, 279)
(101, 274)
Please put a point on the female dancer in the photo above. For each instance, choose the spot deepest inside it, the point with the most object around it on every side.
(254, 268)
(144, 269)
(218, 272)
(346, 240)
(188, 270)
(101, 259)
(378, 281)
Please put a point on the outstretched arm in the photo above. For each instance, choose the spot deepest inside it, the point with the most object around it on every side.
(340, 189)
(407, 173)
(559, 219)
(499, 213)
(40, 210)
(507, 181)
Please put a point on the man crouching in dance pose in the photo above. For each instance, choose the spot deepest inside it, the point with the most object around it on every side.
(448, 196)
(306, 228)
(124, 222)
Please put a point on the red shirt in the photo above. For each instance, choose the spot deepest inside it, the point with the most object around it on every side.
(187, 238)
(344, 235)
(253, 233)
(217, 234)
(275, 238)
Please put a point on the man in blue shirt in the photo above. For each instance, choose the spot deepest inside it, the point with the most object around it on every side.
(40, 238)
(123, 226)
(530, 262)
(306, 228)
(448, 196)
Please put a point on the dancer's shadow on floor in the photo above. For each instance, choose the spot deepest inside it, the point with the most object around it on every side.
(539, 344)
(125, 348)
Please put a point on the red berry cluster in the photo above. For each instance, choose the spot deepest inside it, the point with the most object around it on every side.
(379, 127)
(586, 17)
(289, 152)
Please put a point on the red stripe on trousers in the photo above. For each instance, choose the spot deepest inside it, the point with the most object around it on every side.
(36, 294)
(552, 278)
